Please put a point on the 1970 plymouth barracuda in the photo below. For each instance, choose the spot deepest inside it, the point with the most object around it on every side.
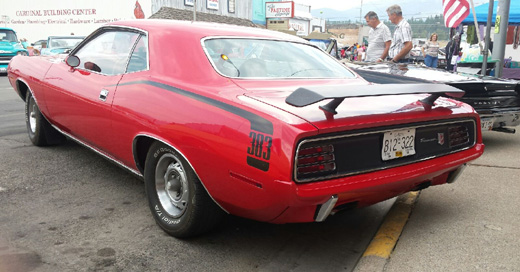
(496, 100)
(224, 119)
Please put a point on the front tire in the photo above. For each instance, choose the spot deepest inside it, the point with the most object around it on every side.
(41, 133)
(179, 203)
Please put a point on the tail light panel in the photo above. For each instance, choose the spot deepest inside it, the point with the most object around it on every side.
(315, 161)
(355, 152)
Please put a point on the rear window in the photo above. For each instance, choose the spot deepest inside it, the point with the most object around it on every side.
(257, 58)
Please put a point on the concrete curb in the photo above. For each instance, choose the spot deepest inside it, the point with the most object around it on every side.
(379, 250)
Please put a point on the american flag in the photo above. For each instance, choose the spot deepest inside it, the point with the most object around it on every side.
(455, 11)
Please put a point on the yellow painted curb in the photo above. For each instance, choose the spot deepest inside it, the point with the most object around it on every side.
(386, 238)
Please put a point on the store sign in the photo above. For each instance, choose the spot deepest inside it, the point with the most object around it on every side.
(301, 26)
(212, 4)
(297, 26)
(279, 9)
(33, 21)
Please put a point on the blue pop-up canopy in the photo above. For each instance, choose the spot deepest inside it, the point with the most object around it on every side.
(482, 13)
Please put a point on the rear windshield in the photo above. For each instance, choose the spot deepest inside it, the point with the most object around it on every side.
(256, 58)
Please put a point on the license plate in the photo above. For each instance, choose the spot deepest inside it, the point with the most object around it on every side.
(3, 70)
(398, 144)
(486, 124)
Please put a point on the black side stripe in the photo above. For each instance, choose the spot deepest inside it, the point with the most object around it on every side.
(256, 163)
(258, 123)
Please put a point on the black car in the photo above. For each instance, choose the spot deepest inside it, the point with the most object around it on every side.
(497, 101)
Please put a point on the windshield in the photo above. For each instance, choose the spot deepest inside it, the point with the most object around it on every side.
(253, 58)
(64, 42)
(7, 36)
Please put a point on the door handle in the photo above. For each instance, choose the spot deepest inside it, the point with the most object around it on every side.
(103, 95)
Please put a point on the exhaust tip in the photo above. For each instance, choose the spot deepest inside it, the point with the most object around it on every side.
(324, 210)
(422, 186)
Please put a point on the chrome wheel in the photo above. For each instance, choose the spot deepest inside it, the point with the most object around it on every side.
(33, 111)
(171, 184)
(179, 202)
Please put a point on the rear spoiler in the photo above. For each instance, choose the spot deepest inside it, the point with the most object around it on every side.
(305, 96)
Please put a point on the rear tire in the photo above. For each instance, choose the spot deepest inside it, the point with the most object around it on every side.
(41, 133)
(179, 202)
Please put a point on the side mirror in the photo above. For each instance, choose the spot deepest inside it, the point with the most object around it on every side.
(72, 61)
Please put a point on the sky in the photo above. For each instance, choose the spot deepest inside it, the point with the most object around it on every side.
(376, 5)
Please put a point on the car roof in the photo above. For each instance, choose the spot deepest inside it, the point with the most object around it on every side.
(204, 29)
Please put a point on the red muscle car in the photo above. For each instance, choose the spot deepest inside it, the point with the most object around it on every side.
(224, 119)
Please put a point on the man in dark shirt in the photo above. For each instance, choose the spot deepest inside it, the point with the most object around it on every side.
(452, 51)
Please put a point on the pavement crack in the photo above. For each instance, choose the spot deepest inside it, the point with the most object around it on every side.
(495, 166)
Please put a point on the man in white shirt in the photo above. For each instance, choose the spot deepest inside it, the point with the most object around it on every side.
(402, 41)
(379, 38)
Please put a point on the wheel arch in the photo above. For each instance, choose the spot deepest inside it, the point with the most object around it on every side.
(143, 142)
(22, 88)
(141, 145)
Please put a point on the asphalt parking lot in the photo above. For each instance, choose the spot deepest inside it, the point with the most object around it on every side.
(65, 208)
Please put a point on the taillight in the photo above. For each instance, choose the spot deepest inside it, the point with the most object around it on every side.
(315, 160)
(458, 135)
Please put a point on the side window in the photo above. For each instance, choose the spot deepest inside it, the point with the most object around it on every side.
(139, 59)
(108, 53)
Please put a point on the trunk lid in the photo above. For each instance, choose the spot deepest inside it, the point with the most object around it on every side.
(353, 112)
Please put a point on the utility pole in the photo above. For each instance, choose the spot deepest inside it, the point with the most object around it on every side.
(487, 38)
(361, 13)
(194, 10)
(499, 45)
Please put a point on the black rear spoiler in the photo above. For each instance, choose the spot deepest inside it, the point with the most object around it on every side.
(305, 96)
(384, 78)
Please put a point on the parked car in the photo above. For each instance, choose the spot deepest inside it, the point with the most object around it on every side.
(416, 55)
(10, 46)
(441, 62)
(247, 121)
(60, 44)
(39, 44)
(496, 100)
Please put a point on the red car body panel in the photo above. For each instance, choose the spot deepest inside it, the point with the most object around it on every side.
(183, 102)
